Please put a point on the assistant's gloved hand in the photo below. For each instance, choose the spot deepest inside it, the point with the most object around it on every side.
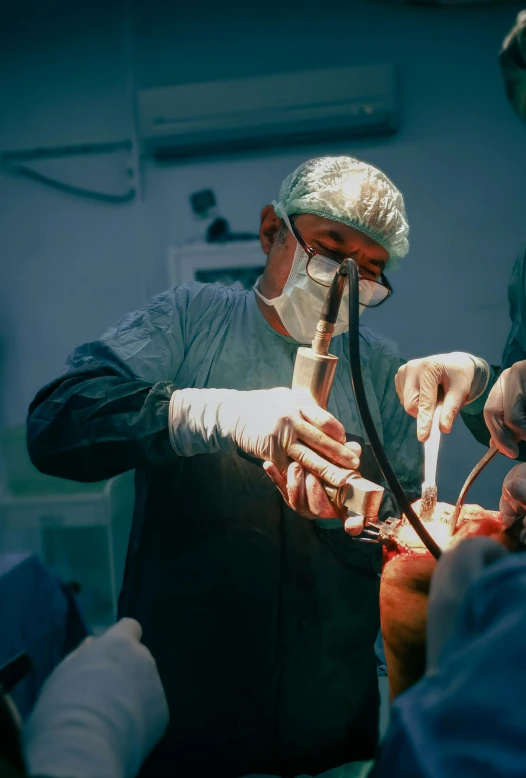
(100, 712)
(462, 378)
(513, 499)
(505, 409)
(455, 572)
(270, 424)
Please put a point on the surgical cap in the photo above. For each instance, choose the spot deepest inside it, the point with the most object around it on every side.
(351, 192)
(513, 65)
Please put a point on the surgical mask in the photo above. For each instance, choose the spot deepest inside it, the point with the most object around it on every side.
(300, 304)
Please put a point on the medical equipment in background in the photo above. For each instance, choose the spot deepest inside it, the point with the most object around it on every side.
(205, 208)
(215, 254)
(238, 263)
(80, 530)
(314, 374)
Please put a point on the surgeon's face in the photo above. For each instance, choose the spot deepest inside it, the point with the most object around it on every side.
(325, 236)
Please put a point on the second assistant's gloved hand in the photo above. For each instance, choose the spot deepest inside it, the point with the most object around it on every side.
(505, 409)
(270, 424)
(513, 499)
(101, 711)
(462, 379)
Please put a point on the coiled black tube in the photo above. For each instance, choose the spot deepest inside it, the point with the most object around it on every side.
(349, 268)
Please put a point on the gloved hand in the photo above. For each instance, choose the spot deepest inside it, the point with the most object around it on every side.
(270, 424)
(304, 493)
(462, 378)
(455, 572)
(100, 712)
(505, 409)
(513, 499)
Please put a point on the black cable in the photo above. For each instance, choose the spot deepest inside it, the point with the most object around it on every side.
(368, 423)
(331, 306)
(88, 194)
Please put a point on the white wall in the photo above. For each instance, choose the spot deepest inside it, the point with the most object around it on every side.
(71, 267)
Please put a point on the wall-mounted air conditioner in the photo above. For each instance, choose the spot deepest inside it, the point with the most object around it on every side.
(269, 111)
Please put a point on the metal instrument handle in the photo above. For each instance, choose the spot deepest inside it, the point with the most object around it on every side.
(477, 470)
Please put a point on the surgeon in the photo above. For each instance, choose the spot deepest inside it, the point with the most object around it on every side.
(503, 397)
(262, 622)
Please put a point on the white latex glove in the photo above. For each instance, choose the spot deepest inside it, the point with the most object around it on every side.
(505, 409)
(513, 499)
(455, 572)
(100, 712)
(270, 424)
(462, 378)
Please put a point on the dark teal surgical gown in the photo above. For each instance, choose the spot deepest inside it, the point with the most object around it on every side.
(514, 351)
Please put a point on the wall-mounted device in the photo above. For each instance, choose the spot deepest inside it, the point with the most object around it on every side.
(268, 111)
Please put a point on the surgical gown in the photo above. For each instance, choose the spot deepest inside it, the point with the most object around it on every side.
(514, 350)
(262, 623)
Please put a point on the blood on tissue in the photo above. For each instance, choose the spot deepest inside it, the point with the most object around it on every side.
(474, 521)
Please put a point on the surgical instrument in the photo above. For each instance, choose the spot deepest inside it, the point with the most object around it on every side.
(477, 470)
(429, 487)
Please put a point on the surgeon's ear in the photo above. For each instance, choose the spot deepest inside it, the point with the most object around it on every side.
(270, 227)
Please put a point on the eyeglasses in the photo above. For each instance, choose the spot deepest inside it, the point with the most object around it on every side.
(322, 270)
